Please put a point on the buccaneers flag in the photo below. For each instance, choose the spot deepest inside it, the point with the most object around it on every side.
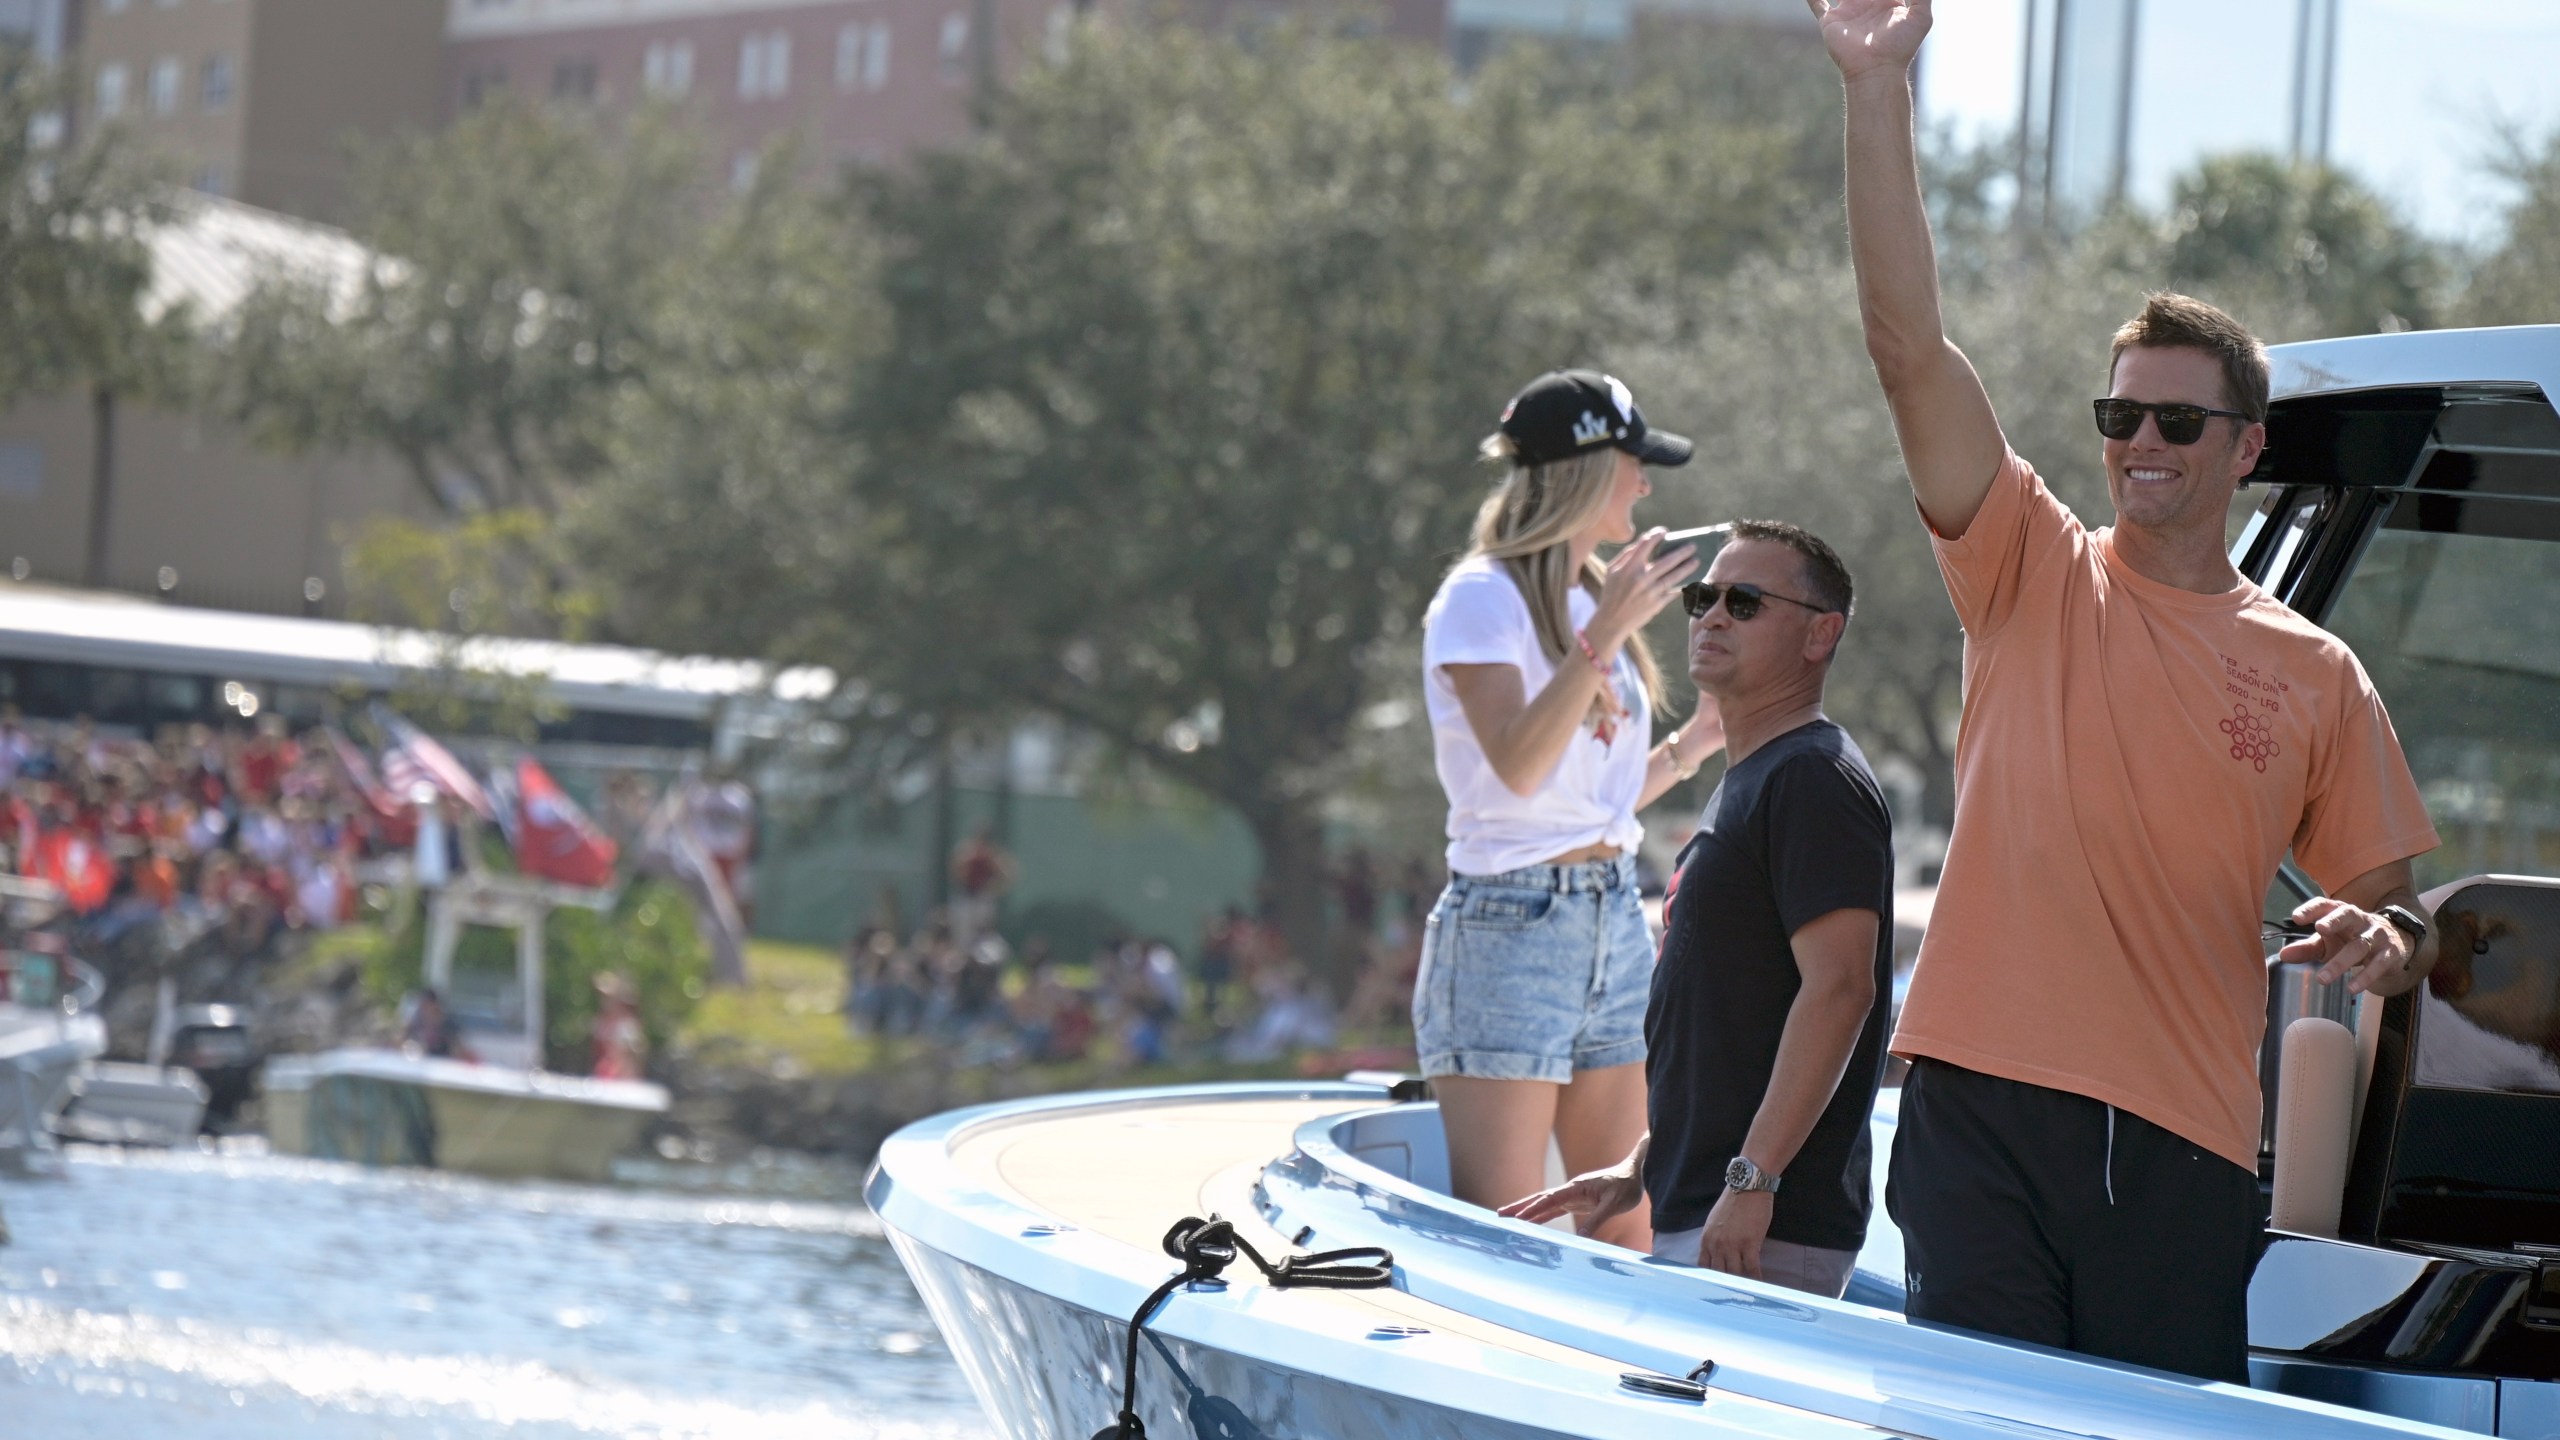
(554, 838)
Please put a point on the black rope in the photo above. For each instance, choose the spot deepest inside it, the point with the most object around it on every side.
(1206, 1248)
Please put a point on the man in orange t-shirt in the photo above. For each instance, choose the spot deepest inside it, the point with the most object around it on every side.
(2145, 734)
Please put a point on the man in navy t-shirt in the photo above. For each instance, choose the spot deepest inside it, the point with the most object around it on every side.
(1765, 1036)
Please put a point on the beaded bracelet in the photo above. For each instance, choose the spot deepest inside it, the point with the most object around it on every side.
(1612, 710)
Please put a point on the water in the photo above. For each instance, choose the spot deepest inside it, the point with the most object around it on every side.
(238, 1296)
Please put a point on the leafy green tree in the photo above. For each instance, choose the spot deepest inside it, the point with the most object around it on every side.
(73, 263)
(529, 257)
(501, 572)
(1166, 431)
(2319, 235)
(2518, 282)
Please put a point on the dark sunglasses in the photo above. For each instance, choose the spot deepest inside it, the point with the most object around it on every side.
(2179, 424)
(1741, 600)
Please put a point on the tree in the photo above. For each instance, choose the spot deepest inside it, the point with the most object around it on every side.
(2320, 236)
(529, 259)
(1169, 434)
(501, 572)
(2518, 283)
(73, 262)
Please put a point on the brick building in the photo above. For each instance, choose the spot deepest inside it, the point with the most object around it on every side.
(866, 80)
(257, 99)
(860, 79)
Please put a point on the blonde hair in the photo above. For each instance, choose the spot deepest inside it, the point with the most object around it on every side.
(1528, 522)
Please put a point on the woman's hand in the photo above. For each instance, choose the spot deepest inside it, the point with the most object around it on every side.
(1592, 1200)
(1638, 584)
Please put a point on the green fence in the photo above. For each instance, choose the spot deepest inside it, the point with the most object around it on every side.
(1083, 866)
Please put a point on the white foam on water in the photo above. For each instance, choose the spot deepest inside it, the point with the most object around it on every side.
(527, 1197)
(191, 1372)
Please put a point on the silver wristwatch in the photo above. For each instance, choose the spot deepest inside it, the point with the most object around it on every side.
(1741, 1174)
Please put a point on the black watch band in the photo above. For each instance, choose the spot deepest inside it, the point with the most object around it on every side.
(2408, 922)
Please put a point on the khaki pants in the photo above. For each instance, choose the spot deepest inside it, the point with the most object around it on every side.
(1782, 1262)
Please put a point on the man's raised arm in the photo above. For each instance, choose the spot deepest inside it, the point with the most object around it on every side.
(1951, 442)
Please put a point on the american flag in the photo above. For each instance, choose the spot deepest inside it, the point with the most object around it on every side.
(411, 758)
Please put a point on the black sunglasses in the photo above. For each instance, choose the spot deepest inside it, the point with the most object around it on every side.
(2179, 424)
(1741, 599)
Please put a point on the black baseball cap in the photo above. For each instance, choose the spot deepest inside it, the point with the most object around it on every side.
(1565, 413)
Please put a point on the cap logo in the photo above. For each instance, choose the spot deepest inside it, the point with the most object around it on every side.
(1621, 397)
(1590, 429)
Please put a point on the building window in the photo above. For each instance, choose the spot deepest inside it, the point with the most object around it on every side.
(112, 80)
(955, 46)
(668, 68)
(21, 470)
(764, 65)
(209, 180)
(483, 84)
(573, 79)
(1062, 29)
(742, 170)
(214, 83)
(166, 75)
(875, 57)
(118, 7)
(862, 56)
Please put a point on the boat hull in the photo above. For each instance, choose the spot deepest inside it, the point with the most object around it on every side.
(388, 1109)
(122, 1104)
(41, 1050)
(1045, 1368)
(1032, 1229)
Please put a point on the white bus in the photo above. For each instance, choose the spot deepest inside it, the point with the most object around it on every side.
(135, 664)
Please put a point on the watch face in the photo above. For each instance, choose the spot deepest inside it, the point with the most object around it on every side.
(1739, 1173)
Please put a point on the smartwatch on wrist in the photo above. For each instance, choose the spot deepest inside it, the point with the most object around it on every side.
(2407, 922)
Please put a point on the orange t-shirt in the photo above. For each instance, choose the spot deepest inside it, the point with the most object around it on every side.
(2133, 762)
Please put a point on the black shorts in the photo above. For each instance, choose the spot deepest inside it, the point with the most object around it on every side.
(2040, 1215)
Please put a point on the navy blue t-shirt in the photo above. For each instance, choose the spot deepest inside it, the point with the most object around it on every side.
(1797, 830)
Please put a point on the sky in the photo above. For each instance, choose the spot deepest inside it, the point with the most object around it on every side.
(2422, 88)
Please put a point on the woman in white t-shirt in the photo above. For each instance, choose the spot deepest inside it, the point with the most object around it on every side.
(1536, 966)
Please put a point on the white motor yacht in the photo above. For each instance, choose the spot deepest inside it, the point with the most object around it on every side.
(2412, 506)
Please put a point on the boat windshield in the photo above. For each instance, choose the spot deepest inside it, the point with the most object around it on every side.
(2455, 612)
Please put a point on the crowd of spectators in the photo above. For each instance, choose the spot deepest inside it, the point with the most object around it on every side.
(1241, 995)
(196, 837)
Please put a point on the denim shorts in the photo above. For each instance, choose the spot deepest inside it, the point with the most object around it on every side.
(1534, 974)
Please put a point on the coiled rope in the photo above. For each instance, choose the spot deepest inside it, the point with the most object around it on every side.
(1206, 1248)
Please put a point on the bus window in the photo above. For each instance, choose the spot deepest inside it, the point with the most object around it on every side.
(115, 697)
(47, 691)
(175, 697)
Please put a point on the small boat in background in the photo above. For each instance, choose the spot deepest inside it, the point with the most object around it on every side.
(49, 1026)
(116, 1102)
(498, 1113)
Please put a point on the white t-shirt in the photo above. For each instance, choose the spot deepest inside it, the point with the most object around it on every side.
(1480, 618)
